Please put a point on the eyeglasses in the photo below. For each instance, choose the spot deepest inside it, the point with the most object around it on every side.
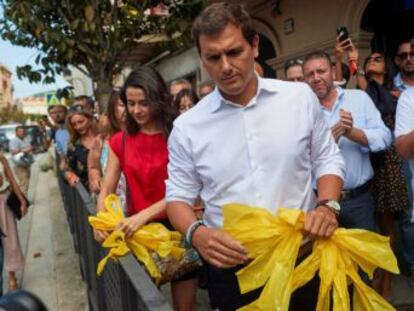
(293, 62)
(406, 55)
(375, 59)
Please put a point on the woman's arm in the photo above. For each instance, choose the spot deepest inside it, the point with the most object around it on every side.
(112, 175)
(131, 224)
(13, 184)
(94, 166)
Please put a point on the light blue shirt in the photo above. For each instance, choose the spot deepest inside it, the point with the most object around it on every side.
(263, 154)
(62, 139)
(399, 83)
(366, 118)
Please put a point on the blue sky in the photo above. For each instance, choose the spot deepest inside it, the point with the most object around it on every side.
(14, 56)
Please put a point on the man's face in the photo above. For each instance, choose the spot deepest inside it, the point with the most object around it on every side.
(294, 73)
(319, 75)
(229, 60)
(21, 133)
(405, 58)
(58, 114)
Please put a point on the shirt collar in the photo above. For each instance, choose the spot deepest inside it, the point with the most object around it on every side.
(263, 85)
(398, 82)
(340, 94)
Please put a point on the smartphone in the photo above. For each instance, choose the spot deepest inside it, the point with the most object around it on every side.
(342, 33)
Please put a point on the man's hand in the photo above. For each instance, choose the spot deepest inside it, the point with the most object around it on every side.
(219, 248)
(320, 222)
(346, 120)
(337, 131)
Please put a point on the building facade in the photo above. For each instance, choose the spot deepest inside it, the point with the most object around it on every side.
(6, 87)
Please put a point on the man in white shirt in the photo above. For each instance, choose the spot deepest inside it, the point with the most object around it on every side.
(358, 128)
(252, 141)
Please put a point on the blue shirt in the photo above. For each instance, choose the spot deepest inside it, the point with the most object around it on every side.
(62, 139)
(399, 83)
(366, 118)
(263, 154)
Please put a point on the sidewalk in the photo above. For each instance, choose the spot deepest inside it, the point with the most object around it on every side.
(52, 265)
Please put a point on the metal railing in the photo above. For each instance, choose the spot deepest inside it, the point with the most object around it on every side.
(123, 286)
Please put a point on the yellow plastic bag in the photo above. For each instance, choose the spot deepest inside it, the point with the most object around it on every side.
(338, 259)
(273, 243)
(152, 237)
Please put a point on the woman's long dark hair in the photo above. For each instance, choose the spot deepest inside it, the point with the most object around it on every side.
(110, 112)
(389, 69)
(157, 96)
(183, 93)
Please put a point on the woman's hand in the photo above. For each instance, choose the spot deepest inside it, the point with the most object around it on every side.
(71, 178)
(131, 224)
(95, 183)
(23, 208)
(100, 235)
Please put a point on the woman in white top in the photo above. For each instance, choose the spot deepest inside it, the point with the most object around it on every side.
(14, 260)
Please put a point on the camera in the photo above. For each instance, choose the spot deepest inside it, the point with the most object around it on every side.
(342, 33)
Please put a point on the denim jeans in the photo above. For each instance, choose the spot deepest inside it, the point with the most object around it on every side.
(358, 212)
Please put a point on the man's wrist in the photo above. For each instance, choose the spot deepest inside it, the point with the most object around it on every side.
(332, 205)
(191, 230)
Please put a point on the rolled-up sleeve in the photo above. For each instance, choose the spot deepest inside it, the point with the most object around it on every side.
(378, 135)
(183, 182)
(325, 155)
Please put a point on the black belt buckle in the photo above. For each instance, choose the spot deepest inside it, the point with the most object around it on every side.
(352, 193)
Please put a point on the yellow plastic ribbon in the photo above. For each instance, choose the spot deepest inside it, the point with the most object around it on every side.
(273, 243)
(151, 237)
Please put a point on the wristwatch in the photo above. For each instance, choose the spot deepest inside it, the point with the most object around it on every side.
(331, 204)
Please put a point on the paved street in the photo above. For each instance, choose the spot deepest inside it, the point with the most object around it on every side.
(52, 269)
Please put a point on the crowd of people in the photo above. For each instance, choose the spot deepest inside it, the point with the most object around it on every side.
(176, 154)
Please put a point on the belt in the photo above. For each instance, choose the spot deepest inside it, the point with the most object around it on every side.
(353, 193)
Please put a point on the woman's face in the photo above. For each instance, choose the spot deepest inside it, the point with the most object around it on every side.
(137, 106)
(185, 104)
(375, 64)
(120, 113)
(80, 123)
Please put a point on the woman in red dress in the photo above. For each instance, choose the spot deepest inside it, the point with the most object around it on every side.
(141, 154)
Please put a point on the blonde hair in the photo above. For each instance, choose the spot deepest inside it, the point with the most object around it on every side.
(74, 136)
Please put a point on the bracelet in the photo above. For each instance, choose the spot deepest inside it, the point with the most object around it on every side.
(190, 231)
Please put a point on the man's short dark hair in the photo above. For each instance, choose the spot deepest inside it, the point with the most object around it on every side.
(214, 18)
(20, 127)
(55, 106)
(317, 55)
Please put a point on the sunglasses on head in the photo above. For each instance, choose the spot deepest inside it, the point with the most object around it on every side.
(375, 59)
(406, 55)
(76, 109)
(293, 62)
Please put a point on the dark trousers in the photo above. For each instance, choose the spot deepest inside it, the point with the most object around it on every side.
(358, 212)
(224, 291)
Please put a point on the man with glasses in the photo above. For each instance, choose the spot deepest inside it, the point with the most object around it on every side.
(293, 70)
(404, 59)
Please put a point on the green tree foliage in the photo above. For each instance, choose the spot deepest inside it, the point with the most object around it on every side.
(97, 37)
(11, 114)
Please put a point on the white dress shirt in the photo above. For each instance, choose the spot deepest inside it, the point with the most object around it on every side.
(404, 124)
(367, 118)
(263, 154)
